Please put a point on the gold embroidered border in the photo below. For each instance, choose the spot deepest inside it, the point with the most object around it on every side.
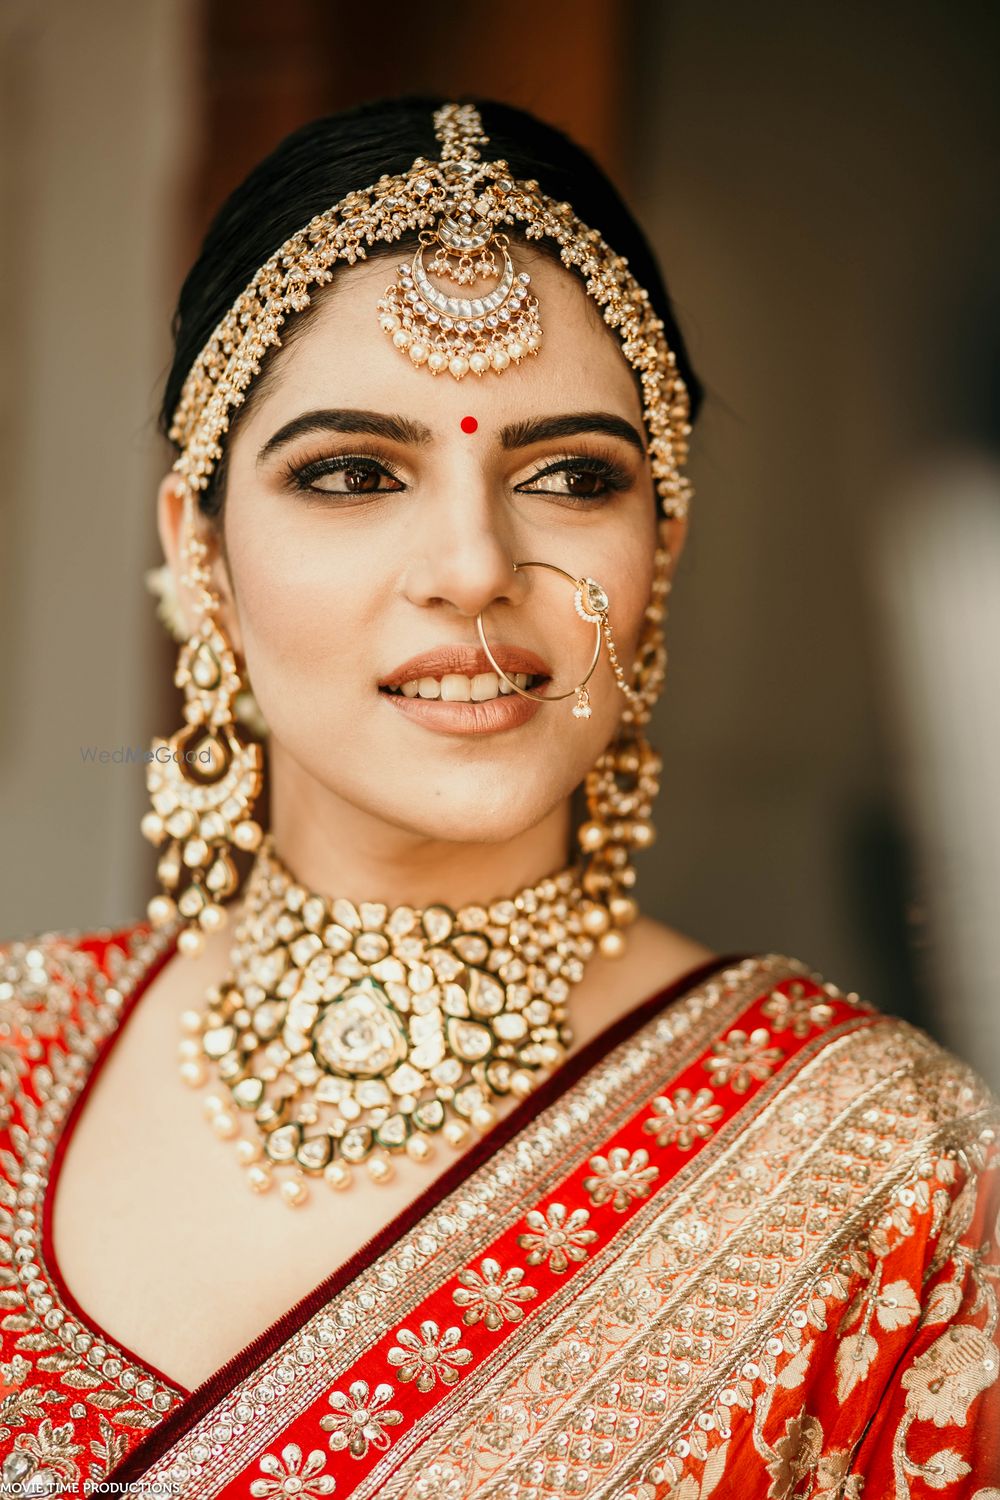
(918, 1058)
(44, 981)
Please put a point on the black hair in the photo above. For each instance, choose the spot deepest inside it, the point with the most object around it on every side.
(317, 165)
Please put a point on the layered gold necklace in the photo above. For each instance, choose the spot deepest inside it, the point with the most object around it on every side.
(346, 1033)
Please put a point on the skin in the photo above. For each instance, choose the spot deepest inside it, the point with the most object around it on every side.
(323, 595)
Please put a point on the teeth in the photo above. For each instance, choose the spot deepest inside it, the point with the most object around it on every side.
(455, 687)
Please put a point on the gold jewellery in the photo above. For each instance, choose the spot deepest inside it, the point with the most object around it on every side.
(204, 780)
(591, 603)
(346, 1034)
(460, 208)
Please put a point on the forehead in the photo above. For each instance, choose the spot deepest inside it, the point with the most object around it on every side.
(340, 356)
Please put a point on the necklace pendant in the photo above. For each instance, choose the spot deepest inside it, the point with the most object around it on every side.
(348, 1037)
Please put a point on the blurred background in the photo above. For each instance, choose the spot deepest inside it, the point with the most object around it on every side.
(821, 183)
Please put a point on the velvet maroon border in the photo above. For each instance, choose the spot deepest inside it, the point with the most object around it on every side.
(199, 1401)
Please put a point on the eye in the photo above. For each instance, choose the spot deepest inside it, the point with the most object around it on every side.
(345, 474)
(582, 477)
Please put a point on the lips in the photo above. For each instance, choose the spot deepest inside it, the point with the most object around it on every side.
(466, 661)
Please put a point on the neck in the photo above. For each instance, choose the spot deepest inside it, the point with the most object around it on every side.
(337, 849)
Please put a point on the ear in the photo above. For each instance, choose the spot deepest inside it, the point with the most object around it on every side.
(170, 524)
(673, 535)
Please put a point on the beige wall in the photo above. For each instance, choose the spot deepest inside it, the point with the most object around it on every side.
(819, 182)
(94, 115)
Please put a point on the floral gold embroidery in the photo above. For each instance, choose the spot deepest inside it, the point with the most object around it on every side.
(741, 1058)
(359, 1418)
(441, 1481)
(556, 1237)
(796, 1011)
(683, 1118)
(290, 1477)
(568, 1365)
(795, 1456)
(493, 1296)
(943, 1382)
(620, 1176)
(41, 1463)
(431, 1357)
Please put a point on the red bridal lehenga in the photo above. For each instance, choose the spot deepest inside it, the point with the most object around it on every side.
(743, 1243)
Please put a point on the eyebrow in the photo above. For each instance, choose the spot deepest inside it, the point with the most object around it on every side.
(394, 429)
(545, 429)
(404, 430)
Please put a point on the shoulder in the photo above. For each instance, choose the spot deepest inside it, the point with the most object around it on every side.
(889, 1069)
(51, 981)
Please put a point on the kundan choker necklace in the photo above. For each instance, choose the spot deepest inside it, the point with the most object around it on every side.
(347, 1033)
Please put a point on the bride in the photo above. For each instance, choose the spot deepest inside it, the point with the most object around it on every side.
(396, 1154)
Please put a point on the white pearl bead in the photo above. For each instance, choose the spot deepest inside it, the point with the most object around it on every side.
(162, 910)
(294, 1191)
(338, 1174)
(212, 917)
(260, 1179)
(419, 1148)
(151, 827)
(191, 942)
(224, 1124)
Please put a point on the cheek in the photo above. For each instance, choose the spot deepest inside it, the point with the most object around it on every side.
(304, 611)
(627, 574)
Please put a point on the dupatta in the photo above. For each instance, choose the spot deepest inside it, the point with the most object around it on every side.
(746, 1237)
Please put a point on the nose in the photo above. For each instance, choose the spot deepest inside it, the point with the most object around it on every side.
(463, 558)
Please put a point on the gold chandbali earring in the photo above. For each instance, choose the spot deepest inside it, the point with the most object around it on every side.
(624, 782)
(204, 780)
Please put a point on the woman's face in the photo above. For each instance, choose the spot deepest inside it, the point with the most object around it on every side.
(365, 527)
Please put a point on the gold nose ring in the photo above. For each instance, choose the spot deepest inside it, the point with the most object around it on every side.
(591, 603)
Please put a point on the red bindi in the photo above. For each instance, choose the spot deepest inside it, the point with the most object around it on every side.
(469, 424)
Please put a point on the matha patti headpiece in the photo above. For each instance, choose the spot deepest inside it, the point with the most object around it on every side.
(460, 206)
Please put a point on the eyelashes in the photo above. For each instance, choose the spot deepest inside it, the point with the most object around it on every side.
(573, 479)
(362, 473)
